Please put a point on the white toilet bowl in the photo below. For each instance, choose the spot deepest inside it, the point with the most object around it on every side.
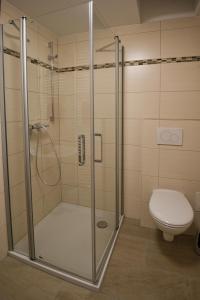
(171, 212)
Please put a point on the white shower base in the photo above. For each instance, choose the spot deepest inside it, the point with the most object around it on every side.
(63, 238)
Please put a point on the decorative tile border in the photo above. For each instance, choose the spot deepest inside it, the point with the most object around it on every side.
(30, 59)
(128, 63)
(161, 60)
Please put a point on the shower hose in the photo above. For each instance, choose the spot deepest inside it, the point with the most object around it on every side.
(39, 128)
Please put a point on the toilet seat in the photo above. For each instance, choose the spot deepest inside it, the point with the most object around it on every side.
(170, 208)
(170, 226)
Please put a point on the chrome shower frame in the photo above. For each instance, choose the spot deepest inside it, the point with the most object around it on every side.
(97, 271)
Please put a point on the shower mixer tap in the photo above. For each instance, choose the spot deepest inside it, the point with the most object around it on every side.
(38, 126)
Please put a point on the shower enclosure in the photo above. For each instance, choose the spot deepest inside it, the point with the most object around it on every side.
(61, 120)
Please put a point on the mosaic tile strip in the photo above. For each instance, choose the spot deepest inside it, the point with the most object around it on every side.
(140, 62)
(128, 63)
(30, 59)
(162, 60)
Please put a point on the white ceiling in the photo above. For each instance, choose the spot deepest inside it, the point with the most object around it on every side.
(67, 16)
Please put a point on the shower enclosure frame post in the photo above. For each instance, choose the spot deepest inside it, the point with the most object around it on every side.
(122, 133)
(5, 144)
(27, 162)
(117, 128)
(92, 133)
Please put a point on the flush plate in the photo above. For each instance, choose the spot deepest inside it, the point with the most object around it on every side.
(169, 136)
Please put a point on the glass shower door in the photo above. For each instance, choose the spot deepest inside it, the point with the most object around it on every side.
(106, 111)
(59, 140)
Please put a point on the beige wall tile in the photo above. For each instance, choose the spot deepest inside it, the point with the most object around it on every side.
(150, 161)
(69, 174)
(66, 55)
(142, 46)
(70, 194)
(51, 200)
(180, 164)
(149, 183)
(33, 77)
(83, 105)
(180, 42)
(68, 152)
(18, 199)
(82, 53)
(104, 80)
(132, 132)
(12, 72)
(132, 158)
(16, 168)
(68, 130)
(141, 105)
(19, 227)
(180, 105)
(67, 106)
(82, 82)
(146, 219)
(15, 137)
(84, 174)
(34, 107)
(104, 106)
(142, 78)
(149, 130)
(104, 178)
(105, 200)
(13, 105)
(132, 184)
(132, 208)
(84, 196)
(38, 210)
(66, 83)
(180, 77)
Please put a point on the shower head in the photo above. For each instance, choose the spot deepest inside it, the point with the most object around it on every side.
(12, 22)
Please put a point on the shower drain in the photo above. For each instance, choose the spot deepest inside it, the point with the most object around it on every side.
(102, 224)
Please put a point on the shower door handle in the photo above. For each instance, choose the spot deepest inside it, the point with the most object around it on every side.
(98, 148)
(81, 149)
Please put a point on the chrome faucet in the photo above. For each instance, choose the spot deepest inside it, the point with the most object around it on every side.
(38, 126)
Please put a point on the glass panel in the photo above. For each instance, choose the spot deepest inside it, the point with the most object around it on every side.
(59, 110)
(15, 142)
(105, 136)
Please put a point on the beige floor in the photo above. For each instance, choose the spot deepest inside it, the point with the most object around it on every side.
(143, 266)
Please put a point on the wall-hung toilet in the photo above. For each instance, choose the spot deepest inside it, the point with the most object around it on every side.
(171, 212)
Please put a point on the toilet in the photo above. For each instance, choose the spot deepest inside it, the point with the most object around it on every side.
(171, 212)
